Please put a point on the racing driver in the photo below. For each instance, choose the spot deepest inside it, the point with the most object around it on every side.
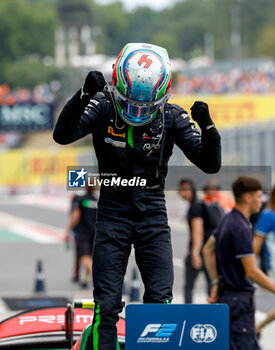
(134, 130)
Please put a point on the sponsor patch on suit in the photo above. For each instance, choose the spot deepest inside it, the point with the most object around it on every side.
(112, 132)
(115, 143)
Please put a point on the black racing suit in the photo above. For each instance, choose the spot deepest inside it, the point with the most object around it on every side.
(133, 215)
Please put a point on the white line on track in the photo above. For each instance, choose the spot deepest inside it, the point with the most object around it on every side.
(60, 203)
(33, 230)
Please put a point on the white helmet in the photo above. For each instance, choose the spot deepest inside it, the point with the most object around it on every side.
(141, 82)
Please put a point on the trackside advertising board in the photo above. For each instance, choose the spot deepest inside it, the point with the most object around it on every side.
(229, 110)
(171, 327)
(26, 117)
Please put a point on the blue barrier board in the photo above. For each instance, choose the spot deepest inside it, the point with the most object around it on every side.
(190, 327)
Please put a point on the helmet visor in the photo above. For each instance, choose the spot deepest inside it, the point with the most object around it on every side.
(138, 109)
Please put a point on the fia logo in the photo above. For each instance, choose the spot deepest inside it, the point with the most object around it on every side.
(77, 178)
(203, 333)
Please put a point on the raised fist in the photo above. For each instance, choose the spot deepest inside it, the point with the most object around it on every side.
(94, 83)
(200, 113)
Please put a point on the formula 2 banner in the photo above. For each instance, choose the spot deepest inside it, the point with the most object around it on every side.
(26, 117)
(167, 327)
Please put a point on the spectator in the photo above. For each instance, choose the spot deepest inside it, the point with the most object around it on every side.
(236, 80)
(70, 238)
(264, 226)
(213, 193)
(42, 93)
(262, 256)
(231, 264)
(83, 218)
(198, 226)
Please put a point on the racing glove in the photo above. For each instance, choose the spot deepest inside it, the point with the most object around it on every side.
(200, 113)
(94, 83)
(209, 134)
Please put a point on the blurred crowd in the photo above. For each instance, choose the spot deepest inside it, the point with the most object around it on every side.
(235, 81)
(43, 93)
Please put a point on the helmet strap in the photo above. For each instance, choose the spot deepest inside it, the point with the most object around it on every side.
(108, 88)
(162, 136)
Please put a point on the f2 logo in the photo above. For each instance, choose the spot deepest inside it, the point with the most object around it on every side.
(161, 330)
(146, 60)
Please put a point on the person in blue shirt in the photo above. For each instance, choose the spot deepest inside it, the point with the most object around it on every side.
(264, 226)
(230, 261)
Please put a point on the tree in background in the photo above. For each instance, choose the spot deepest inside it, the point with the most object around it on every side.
(237, 28)
(23, 25)
(188, 24)
(236, 25)
(26, 37)
(113, 24)
(265, 43)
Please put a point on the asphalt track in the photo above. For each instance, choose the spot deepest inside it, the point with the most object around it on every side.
(32, 229)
